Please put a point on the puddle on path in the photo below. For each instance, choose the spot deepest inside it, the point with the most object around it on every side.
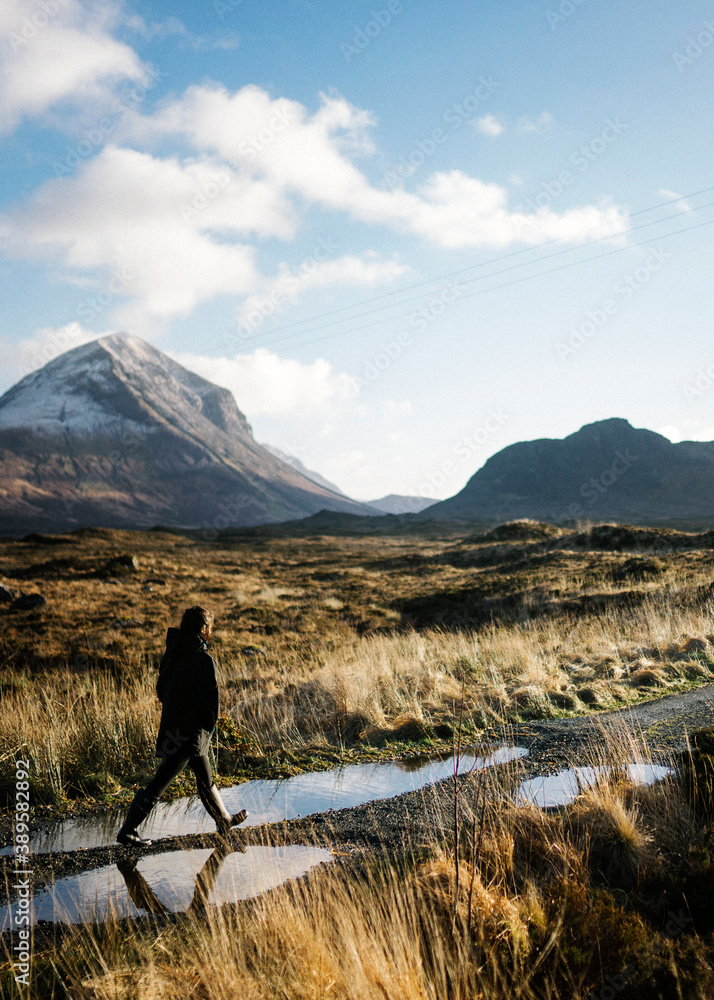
(268, 801)
(174, 882)
(561, 788)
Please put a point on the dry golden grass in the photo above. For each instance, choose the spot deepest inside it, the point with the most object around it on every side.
(544, 905)
(330, 643)
(334, 642)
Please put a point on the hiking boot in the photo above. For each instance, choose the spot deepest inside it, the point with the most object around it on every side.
(237, 819)
(138, 811)
(213, 803)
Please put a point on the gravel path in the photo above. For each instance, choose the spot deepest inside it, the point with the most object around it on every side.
(664, 724)
(418, 816)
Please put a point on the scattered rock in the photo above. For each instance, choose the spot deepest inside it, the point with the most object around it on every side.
(27, 602)
(122, 564)
(7, 595)
(147, 587)
(252, 650)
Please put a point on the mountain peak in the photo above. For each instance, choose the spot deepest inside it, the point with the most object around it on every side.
(609, 423)
(605, 470)
(115, 384)
(116, 433)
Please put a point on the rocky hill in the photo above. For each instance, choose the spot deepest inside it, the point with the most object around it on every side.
(115, 433)
(607, 470)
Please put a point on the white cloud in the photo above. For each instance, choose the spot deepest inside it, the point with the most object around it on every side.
(489, 125)
(133, 214)
(391, 408)
(289, 284)
(687, 430)
(668, 195)
(574, 224)
(180, 231)
(460, 211)
(172, 27)
(306, 155)
(538, 124)
(264, 383)
(57, 51)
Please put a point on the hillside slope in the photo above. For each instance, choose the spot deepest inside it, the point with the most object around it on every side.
(115, 433)
(607, 470)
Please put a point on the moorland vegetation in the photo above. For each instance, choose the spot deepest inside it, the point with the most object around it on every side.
(343, 647)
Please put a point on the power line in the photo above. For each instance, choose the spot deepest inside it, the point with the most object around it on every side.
(481, 277)
(527, 277)
(492, 260)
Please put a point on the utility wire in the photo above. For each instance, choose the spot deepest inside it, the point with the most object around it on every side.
(517, 281)
(483, 277)
(485, 263)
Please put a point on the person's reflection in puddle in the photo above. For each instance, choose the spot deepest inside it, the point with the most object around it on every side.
(140, 892)
(144, 898)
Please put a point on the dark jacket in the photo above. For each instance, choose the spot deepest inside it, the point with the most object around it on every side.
(188, 690)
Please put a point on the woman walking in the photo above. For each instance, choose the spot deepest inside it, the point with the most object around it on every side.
(188, 690)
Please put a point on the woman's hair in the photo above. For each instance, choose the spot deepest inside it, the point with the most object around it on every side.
(195, 618)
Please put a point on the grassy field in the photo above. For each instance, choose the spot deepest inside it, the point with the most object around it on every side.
(353, 647)
(610, 896)
(334, 648)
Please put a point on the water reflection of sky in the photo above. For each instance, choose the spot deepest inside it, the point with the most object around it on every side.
(268, 801)
(558, 789)
(174, 882)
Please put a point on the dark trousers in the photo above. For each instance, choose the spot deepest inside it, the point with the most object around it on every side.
(171, 766)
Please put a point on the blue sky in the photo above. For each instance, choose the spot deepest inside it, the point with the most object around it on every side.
(377, 223)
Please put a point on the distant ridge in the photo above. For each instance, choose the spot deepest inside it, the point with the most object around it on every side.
(396, 503)
(303, 469)
(115, 433)
(607, 470)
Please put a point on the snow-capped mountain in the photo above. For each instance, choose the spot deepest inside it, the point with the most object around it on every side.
(116, 433)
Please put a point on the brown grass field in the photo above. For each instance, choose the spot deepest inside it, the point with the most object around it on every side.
(343, 648)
